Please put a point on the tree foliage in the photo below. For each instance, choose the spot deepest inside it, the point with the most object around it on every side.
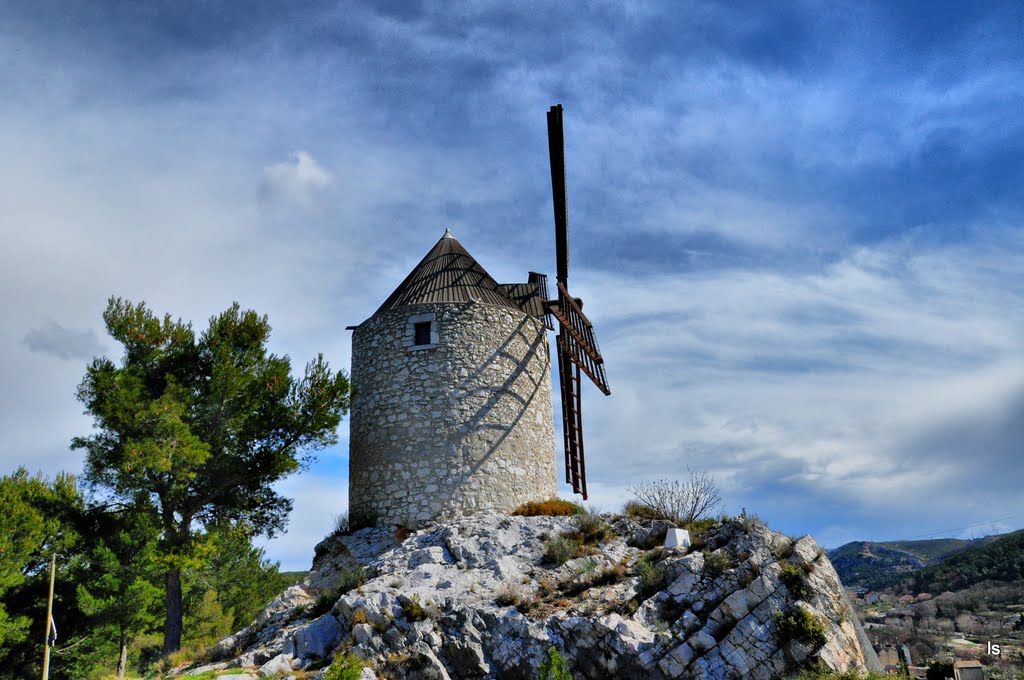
(231, 586)
(998, 560)
(680, 501)
(197, 428)
(32, 509)
(118, 588)
(36, 522)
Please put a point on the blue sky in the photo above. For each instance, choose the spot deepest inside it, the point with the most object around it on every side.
(797, 226)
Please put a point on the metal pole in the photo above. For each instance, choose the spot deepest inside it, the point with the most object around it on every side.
(49, 619)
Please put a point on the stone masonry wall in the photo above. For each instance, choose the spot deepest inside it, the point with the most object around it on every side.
(460, 426)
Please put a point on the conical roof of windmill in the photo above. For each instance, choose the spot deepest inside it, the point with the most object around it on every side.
(448, 273)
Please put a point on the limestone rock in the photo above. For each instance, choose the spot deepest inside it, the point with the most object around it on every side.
(318, 639)
(430, 607)
(279, 664)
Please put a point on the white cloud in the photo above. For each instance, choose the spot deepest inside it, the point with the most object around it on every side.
(296, 181)
(882, 382)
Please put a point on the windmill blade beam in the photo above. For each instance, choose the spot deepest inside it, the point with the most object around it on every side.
(556, 153)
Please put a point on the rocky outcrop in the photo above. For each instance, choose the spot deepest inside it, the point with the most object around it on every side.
(478, 598)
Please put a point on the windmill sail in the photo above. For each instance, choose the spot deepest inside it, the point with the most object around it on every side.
(572, 423)
(576, 344)
(577, 340)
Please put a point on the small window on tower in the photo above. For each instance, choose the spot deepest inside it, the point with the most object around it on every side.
(422, 331)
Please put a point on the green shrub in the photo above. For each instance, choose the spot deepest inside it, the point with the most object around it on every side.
(792, 577)
(715, 563)
(555, 667)
(560, 549)
(323, 604)
(653, 576)
(554, 507)
(591, 528)
(800, 624)
(785, 550)
(348, 579)
(413, 608)
(699, 526)
(346, 667)
(639, 510)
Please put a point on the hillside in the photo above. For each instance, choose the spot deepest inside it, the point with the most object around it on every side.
(876, 565)
(1000, 559)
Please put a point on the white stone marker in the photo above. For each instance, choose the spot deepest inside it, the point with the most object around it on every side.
(677, 538)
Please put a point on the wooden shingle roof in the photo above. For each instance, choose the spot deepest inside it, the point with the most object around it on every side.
(448, 273)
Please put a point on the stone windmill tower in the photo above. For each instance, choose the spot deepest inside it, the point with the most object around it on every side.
(451, 396)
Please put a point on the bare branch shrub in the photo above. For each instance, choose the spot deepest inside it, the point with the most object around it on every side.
(680, 501)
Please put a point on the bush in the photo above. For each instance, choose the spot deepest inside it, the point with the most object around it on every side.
(553, 507)
(800, 624)
(508, 596)
(653, 576)
(413, 609)
(680, 501)
(792, 577)
(785, 550)
(346, 667)
(611, 574)
(555, 667)
(715, 563)
(561, 549)
(323, 604)
(639, 510)
(340, 525)
(699, 526)
(591, 529)
(348, 579)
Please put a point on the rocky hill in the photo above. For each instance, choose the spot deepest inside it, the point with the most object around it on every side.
(875, 565)
(487, 596)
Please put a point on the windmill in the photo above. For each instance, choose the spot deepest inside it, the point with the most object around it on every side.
(576, 345)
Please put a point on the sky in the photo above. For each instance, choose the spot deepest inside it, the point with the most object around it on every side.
(797, 226)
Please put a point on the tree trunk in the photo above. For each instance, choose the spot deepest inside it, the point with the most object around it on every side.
(122, 661)
(172, 624)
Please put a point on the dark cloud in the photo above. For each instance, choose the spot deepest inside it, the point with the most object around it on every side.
(64, 343)
(987, 446)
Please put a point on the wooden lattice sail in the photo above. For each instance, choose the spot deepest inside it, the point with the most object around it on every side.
(577, 347)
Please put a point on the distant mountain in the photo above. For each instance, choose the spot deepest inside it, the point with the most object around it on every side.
(997, 558)
(875, 565)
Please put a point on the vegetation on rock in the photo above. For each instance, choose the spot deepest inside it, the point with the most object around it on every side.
(800, 624)
(553, 507)
(344, 667)
(554, 667)
(679, 501)
(793, 577)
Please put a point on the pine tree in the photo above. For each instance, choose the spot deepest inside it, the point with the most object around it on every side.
(199, 428)
(120, 591)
